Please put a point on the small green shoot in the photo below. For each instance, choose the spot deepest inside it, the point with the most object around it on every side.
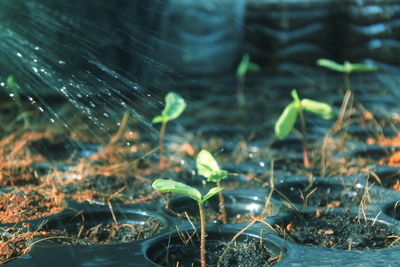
(245, 66)
(174, 106)
(346, 68)
(287, 119)
(164, 185)
(208, 167)
(12, 85)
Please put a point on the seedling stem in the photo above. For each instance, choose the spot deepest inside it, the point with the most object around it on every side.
(174, 106)
(163, 185)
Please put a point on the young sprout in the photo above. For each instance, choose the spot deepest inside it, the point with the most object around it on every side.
(12, 85)
(243, 68)
(174, 106)
(288, 118)
(163, 185)
(208, 167)
(346, 68)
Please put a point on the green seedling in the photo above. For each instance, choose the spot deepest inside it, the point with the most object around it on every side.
(208, 167)
(163, 185)
(245, 66)
(12, 85)
(286, 121)
(346, 68)
(174, 106)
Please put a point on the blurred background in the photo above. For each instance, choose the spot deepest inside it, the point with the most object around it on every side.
(107, 57)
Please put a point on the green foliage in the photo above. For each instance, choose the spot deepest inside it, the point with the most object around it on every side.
(164, 185)
(246, 66)
(346, 67)
(11, 83)
(320, 109)
(208, 167)
(174, 106)
(286, 121)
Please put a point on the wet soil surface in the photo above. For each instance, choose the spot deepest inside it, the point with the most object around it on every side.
(28, 203)
(330, 196)
(336, 231)
(107, 234)
(19, 241)
(249, 252)
(16, 242)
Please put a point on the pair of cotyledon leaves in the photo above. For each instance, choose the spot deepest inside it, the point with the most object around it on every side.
(208, 167)
(288, 118)
(164, 185)
(346, 67)
(246, 66)
(174, 106)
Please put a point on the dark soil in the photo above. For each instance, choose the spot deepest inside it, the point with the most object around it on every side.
(249, 252)
(28, 204)
(107, 234)
(336, 231)
(102, 188)
(15, 242)
(322, 195)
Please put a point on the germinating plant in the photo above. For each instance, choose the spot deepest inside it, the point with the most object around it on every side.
(208, 167)
(164, 185)
(245, 66)
(346, 68)
(286, 121)
(12, 85)
(174, 106)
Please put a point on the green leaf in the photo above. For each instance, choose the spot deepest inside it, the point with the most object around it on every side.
(356, 67)
(286, 121)
(243, 65)
(246, 66)
(11, 83)
(346, 67)
(164, 185)
(330, 64)
(296, 98)
(217, 176)
(211, 193)
(206, 164)
(174, 106)
(157, 119)
(208, 167)
(253, 67)
(323, 110)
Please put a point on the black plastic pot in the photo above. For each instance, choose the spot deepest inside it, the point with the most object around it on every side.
(172, 247)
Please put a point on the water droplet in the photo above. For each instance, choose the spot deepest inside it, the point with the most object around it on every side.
(61, 62)
(2, 84)
(36, 48)
(19, 54)
(262, 164)
(35, 69)
(12, 95)
(105, 114)
(41, 109)
(52, 120)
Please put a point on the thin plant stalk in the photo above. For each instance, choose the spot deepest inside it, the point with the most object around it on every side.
(202, 236)
(222, 204)
(306, 160)
(240, 91)
(162, 134)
